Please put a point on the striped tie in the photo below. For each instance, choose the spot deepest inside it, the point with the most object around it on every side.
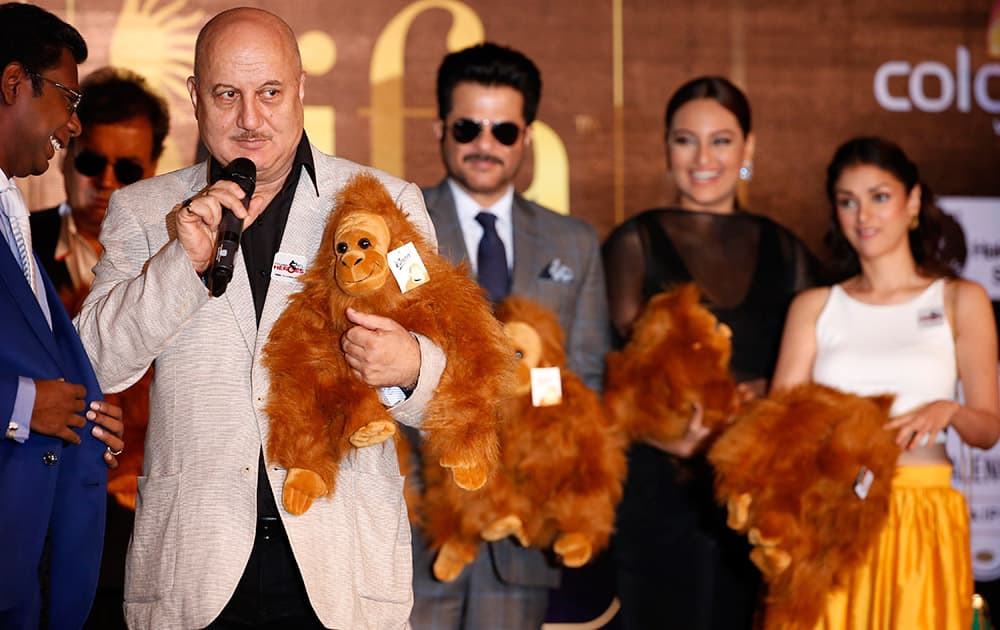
(20, 225)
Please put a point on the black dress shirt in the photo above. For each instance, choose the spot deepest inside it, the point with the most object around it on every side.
(260, 242)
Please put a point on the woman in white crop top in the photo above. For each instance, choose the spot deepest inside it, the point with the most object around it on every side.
(901, 323)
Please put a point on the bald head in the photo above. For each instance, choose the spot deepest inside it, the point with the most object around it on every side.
(248, 92)
(244, 22)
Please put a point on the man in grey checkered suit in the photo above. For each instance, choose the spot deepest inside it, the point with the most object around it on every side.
(487, 98)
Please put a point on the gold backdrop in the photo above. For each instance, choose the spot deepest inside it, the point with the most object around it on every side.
(921, 72)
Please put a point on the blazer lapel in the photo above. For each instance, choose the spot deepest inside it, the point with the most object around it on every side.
(237, 294)
(441, 207)
(529, 249)
(303, 232)
(12, 276)
(240, 300)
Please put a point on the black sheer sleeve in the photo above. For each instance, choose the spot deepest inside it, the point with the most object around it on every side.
(804, 269)
(624, 271)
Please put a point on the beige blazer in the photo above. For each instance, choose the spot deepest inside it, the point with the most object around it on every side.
(196, 511)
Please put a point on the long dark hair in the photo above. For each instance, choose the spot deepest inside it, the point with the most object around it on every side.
(937, 243)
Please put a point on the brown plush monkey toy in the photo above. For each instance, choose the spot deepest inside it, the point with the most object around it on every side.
(807, 473)
(319, 410)
(677, 356)
(562, 464)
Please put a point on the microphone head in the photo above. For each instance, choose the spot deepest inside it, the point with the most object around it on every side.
(244, 172)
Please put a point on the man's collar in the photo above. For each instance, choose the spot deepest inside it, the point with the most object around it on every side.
(502, 207)
(303, 157)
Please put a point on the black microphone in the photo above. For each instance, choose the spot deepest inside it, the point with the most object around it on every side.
(244, 173)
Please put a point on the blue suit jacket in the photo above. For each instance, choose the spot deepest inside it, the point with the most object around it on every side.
(47, 488)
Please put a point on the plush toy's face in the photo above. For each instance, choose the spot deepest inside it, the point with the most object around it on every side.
(361, 244)
(698, 366)
(713, 337)
(528, 349)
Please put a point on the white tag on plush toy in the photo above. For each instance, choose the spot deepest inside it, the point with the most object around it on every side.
(863, 482)
(288, 266)
(546, 386)
(407, 267)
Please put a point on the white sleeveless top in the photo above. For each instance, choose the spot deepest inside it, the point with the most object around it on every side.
(903, 349)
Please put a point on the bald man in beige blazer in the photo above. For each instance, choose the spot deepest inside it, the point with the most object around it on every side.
(204, 552)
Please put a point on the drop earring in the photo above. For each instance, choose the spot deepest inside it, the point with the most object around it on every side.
(746, 171)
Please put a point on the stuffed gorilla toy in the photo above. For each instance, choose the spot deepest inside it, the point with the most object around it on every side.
(677, 356)
(807, 473)
(561, 470)
(319, 410)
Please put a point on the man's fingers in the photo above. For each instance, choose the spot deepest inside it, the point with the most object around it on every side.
(369, 321)
(68, 435)
(108, 409)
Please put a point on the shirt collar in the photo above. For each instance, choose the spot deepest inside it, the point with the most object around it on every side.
(467, 207)
(303, 158)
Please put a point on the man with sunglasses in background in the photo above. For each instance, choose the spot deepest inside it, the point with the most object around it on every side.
(487, 99)
(124, 127)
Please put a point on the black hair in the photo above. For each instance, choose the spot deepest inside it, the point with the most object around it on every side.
(937, 242)
(36, 39)
(720, 90)
(112, 95)
(490, 64)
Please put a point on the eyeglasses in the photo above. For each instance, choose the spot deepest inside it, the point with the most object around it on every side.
(72, 95)
(92, 164)
(465, 130)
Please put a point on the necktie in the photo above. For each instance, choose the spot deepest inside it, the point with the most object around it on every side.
(492, 259)
(17, 213)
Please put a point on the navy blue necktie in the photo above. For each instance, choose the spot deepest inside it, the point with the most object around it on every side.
(492, 259)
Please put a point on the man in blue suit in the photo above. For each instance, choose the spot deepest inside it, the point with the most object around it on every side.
(53, 457)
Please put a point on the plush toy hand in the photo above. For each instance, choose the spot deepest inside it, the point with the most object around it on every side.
(738, 511)
(452, 558)
(301, 487)
(374, 432)
(380, 352)
(919, 427)
(501, 528)
(574, 549)
(467, 475)
(771, 560)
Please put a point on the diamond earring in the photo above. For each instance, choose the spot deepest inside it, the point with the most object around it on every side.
(746, 171)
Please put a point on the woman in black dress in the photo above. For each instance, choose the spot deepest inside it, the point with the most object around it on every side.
(678, 565)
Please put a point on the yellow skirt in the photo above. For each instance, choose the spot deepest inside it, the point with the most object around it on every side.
(919, 575)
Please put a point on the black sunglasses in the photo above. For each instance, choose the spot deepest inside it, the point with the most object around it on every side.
(465, 130)
(92, 164)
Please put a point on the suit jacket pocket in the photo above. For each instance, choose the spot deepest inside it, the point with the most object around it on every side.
(382, 550)
(152, 553)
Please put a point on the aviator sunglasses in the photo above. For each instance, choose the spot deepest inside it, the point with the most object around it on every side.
(91, 164)
(465, 130)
